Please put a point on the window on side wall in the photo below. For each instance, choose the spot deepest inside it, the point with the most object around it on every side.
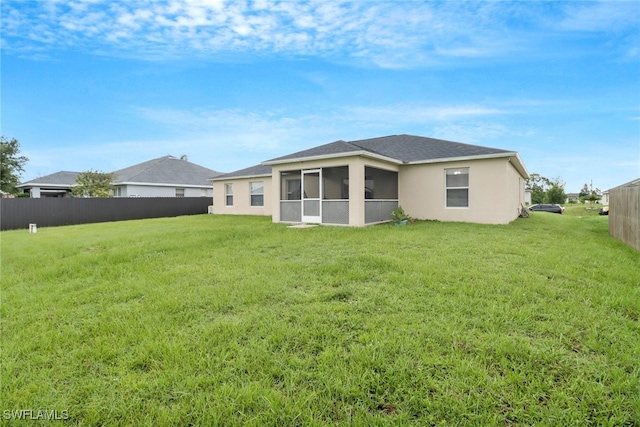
(457, 187)
(179, 192)
(257, 193)
(228, 193)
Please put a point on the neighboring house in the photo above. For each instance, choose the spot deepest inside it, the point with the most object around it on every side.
(572, 198)
(57, 184)
(166, 176)
(360, 182)
(605, 198)
(527, 196)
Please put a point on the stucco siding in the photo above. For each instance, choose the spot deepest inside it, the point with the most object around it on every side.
(494, 192)
(132, 190)
(242, 197)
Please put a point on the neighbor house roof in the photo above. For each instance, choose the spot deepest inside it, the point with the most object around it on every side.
(167, 170)
(58, 179)
(252, 171)
(402, 149)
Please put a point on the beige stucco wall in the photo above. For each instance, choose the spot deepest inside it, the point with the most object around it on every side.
(496, 191)
(242, 197)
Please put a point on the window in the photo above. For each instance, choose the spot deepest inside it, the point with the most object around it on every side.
(457, 186)
(257, 193)
(228, 192)
(179, 192)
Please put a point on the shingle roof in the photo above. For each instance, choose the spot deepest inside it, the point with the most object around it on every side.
(257, 170)
(166, 170)
(336, 147)
(59, 179)
(409, 148)
(404, 148)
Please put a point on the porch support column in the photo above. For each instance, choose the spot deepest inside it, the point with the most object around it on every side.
(276, 192)
(356, 192)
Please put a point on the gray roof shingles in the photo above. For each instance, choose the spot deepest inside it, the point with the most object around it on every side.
(166, 170)
(257, 170)
(336, 147)
(404, 148)
(163, 170)
(61, 179)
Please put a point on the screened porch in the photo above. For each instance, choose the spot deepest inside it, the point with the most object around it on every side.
(324, 196)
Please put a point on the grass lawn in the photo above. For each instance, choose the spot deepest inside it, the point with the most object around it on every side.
(221, 320)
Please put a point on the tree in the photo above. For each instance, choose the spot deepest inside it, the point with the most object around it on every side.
(584, 192)
(93, 184)
(537, 184)
(11, 164)
(555, 193)
(590, 195)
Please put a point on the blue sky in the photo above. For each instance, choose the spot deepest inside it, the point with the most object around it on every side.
(106, 84)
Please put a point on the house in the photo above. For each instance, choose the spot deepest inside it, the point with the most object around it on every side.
(166, 176)
(360, 182)
(57, 184)
(572, 198)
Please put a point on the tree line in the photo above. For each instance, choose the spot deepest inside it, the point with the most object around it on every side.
(545, 190)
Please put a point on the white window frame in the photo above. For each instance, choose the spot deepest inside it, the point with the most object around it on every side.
(180, 192)
(228, 194)
(461, 170)
(252, 194)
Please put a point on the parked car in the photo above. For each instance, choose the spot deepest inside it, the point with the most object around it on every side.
(547, 207)
(604, 210)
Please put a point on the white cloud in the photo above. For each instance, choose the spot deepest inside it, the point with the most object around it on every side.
(390, 34)
(600, 16)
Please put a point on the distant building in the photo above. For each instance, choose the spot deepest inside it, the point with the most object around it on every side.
(166, 176)
(573, 198)
(57, 184)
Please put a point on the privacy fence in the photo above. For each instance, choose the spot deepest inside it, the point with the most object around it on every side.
(48, 212)
(624, 213)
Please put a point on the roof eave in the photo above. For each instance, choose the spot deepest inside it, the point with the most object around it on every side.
(262, 175)
(41, 184)
(159, 184)
(362, 153)
(509, 155)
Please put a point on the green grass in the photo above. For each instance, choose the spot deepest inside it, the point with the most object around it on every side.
(222, 320)
(579, 209)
